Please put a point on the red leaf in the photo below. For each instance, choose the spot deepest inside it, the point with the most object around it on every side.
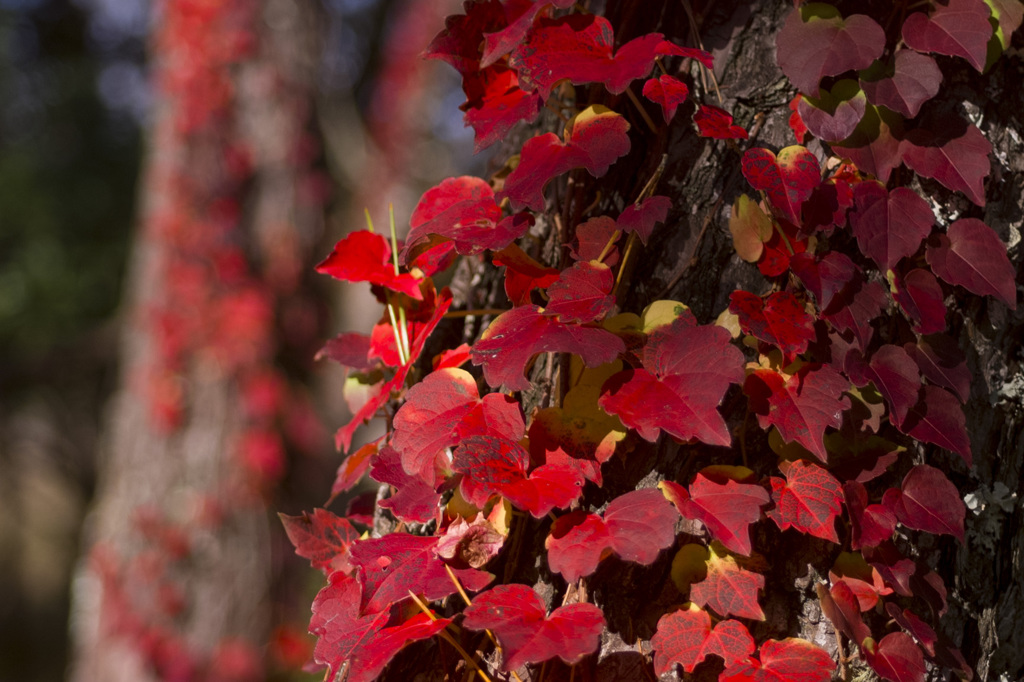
(920, 630)
(593, 235)
(414, 500)
(872, 524)
(930, 502)
(895, 375)
(516, 615)
(914, 79)
(788, 660)
(463, 209)
(366, 257)
(841, 607)
(367, 643)
(517, 335)
(343, 437)
(937, 418)
(350, 350)
(351, 470)
(971, 255)
(500, 43)
(641, 218)
(667, 92)
(816, 42)
(825, 277)
(896, 658)
(687, 369)
(582, 293)
(523, 274)
(452, 358)
(959, 28)
(800, 406)
(728, 589)
(636, 526)
(392, 566)
(809, 500)
(920, 297)
(459, 42)
(788, 178)
(889, 226)
(714, 122)
(855, 308)
(835, 115)
(471, 543)
(495, 102)
(780, 319)
(580, 48)
(960, 164)
(594, 140)
(493, 464)
(942, 362)
(726, 510)
(875, 147)
(796, 124)
(323, 538)
(685, 637)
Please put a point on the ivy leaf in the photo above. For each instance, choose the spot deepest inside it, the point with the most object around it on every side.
(367, 643)
(836, 113)
(787, 660)
(841, 607)
(458, 43)
(788, 178)
(796, 124)
(726, 509)
(855, 308)
(520, 19)
(517, 335)
(493, 464)
(929, 501)
(914, 79)
(799, 406)
(392, 566)
(824, 277)
(809, 499)
(937, 418)
(352, 468)
(523, 274)
(323, 538)
(920, 297)
(641, 218)
(942, 362)
(594, 139)
(895, 375)
(414, 500)
(462, 209)
(960, 164)
(876, 145)
(872, 524)
(717, 123)
(516, 615)
(668, 92)
(582, 293)
(685, 637)
(816, 41)
(971, 255)
(895, 658)
(728, 589)
(592, 236)
(494, 103)
(959, 28)
(473, 543)
(687, 369)
(750, 228)
(888, 225)
(636, 526)
(780, 319)
(920, 630)
(366, 257)
(351, 350)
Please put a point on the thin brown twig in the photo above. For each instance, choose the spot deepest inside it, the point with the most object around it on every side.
(448, 638)
(643, 112)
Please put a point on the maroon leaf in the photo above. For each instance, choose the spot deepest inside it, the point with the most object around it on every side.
(788, 660)
(788, 178)
(685, 637)
(493, 464)
(920, 630)
(914, 79)
(687, 369)
(896, 658)
(714, 122)
(960, 164)
(392, 566)
(930, 502)
(971, 255)
(516, 615)
(641, 218)
(413, 501)
(809, 499)
(459, 42)
(366, 257)
(836, 114)
(323, 538)
(938, 419)
(520, 20)
(799, 406)
(350, 350)
(841, 607)
(780, 319)
(726, 509)
(596, 138)
(920, 296)
(895, 375)
(875, 147)
(636, 526)
(872, 524)
(960, 28)
(517, 335)
(668, 92)
(816, 42)
(889, 225)
(582, 293)
(855, 308)
(825, 277)
(942, 362)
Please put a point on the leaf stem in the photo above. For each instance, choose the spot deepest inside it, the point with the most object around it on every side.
(643, 112)
(448, 638)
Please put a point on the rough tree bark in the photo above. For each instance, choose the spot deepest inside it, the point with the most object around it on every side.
(691, 259)
(224, 581)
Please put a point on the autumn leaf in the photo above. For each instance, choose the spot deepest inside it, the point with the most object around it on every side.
(323, 538)
(366, 257)
(685, 637)
(971, 255)
(787, 178)
(668, 92)
(726, 509)
(808, 499)
(779, 319)
(788, 660)
(959, 28)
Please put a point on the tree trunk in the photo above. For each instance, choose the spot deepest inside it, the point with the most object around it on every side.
(177, 577)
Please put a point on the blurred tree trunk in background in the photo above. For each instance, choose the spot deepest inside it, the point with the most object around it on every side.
(174, 577)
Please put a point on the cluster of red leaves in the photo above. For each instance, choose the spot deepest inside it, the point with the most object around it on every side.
(823, 377)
